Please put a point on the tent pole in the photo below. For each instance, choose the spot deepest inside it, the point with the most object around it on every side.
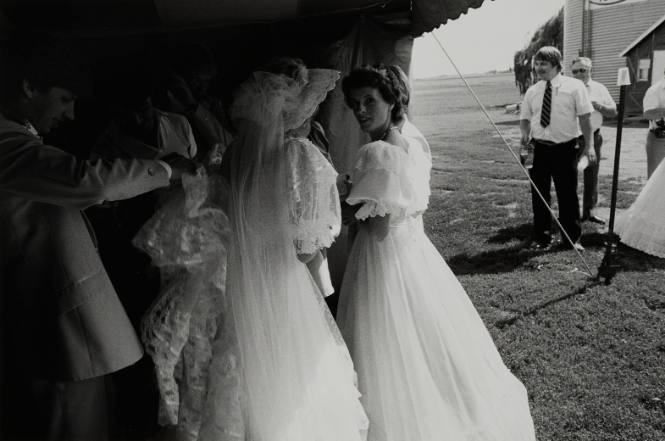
(607, 268)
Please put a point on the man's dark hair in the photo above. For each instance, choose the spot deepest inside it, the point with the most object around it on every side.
(44, 62)
(551, 55)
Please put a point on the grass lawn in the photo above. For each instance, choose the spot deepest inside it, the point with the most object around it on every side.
(592, 356)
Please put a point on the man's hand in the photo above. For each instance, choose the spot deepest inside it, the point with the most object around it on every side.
(591, 156)
(179, 165)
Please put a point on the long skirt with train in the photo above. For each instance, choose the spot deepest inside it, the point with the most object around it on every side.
(428, 368)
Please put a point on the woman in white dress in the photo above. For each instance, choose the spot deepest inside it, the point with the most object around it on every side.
(427, 366)
(272, 366)
(642, 226)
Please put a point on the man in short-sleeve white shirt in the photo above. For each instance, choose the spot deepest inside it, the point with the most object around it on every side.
(654, 110)
(603, 105)
(552, 112)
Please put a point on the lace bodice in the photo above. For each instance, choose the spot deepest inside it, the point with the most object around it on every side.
(389, 179)
(314, 209)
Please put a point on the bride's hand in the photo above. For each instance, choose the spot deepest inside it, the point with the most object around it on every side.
(379, 226)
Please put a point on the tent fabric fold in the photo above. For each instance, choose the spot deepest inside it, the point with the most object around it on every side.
(430, 14)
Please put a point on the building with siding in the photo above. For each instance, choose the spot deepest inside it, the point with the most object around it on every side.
(645, 58)
(602, 30)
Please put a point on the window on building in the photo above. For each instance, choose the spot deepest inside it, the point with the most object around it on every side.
(643, 69)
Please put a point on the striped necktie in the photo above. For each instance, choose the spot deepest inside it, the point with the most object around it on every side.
(547, 106)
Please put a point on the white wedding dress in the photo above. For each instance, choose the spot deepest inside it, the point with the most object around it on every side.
(427, 367)
(642, 226)
(259, 357)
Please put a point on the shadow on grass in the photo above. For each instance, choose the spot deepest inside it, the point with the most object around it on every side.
(492, 262)
(627, 258)
(505, 235)
(501, 323)
(630, 259)
(503, 260)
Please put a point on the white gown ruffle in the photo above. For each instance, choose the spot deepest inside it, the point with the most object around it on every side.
(642, 226)
(427, 366)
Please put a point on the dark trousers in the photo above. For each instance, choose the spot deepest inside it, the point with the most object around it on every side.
(556, 162)
(59, 410)
(590, 198)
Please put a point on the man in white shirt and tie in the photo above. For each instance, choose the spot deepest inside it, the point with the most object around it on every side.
(603, 106)
(654, 110)
(552, 113)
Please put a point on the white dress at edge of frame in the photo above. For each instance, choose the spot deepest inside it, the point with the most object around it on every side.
(642, 226)
(427, 366)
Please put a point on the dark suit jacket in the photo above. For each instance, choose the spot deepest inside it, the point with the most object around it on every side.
(61, 318)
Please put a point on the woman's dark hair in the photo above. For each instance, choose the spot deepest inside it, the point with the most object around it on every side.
(390, 81)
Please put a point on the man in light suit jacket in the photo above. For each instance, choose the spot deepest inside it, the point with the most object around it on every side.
(62, 327)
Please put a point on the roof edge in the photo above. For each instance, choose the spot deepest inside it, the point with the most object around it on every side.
(639, 39)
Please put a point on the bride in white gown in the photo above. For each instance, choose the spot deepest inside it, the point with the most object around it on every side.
(427, 366)
(272, 365)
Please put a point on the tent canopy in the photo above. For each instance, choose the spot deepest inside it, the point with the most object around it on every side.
(118, 16)
(339, 34)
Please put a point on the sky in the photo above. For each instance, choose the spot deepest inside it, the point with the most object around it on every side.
(484, 39)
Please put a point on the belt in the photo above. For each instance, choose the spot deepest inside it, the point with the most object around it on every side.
(548, 143)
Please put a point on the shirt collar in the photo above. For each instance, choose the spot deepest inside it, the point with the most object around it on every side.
(556, 80)
(32, 130)
(25, 125)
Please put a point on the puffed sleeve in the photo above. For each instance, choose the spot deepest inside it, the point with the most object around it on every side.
(314, 210)
(380, 181)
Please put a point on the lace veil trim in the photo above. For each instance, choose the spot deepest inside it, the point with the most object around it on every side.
(314, 203)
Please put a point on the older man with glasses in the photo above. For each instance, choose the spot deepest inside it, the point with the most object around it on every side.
(603, 106)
